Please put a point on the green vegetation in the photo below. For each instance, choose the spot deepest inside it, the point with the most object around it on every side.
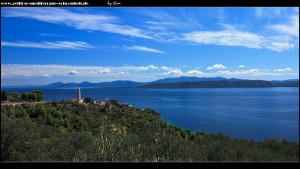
(87, 100)
(34, 96)
(60, 131)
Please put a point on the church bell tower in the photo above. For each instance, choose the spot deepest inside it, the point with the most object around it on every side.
(78, 95)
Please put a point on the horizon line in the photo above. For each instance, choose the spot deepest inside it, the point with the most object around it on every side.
(142, 82)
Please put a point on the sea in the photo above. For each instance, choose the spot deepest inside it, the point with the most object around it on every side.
(249, 113)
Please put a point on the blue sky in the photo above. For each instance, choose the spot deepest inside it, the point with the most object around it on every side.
(46, 45)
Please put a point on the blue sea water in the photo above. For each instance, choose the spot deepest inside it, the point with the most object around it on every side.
(249, 113)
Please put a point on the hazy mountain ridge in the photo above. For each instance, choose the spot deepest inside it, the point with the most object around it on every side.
(224, 84)
(183, 81)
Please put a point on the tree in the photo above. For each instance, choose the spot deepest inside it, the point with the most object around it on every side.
(87, 100)
(114, 102)
(37, 95)
(13, 97)
(32, 96)
(20, 112)
(63, 101)
(26, 96)
(39, 111)
(3, 96)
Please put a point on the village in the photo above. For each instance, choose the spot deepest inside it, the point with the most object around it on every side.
(79, 100)
(14, 98)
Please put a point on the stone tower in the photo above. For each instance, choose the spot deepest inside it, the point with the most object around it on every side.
(78, 95)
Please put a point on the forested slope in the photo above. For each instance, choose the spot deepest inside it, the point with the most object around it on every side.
(115, 132)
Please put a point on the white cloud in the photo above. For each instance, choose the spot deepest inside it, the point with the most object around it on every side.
(289, 28)
(82, 21)
(280, 46)
(255, 73)
(239, 72)
(230, 36)
(73, 72)
(153, 67)
(146, 67)
(24, 70)
(269, 12)
(164, 21)
(194, 72)
(283, 70)
(103, 71)
(49, 45)
(51, 34)
(142, 48)
(284, 34)
(241, 66)
(223, 71)
(45, 75)
(216, 66)
(159, 14)
(174, 72)
(130, 72)
(161, 24)
(225, 37)
(165, 68)
(220, 14)
(158, 26)
(253, 70)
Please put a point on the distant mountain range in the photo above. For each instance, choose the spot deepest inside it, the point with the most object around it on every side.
(179, 82)
(191, 79)
(224, 84)
(118, 83)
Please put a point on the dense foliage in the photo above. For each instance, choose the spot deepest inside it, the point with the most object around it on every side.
(63, 131)
(34, 96)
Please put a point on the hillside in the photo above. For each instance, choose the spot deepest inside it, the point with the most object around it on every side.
(115, 132)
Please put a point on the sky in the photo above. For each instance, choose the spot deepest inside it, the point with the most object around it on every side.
(43, 45)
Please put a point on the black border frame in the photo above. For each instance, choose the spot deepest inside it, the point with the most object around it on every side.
(157, 3)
